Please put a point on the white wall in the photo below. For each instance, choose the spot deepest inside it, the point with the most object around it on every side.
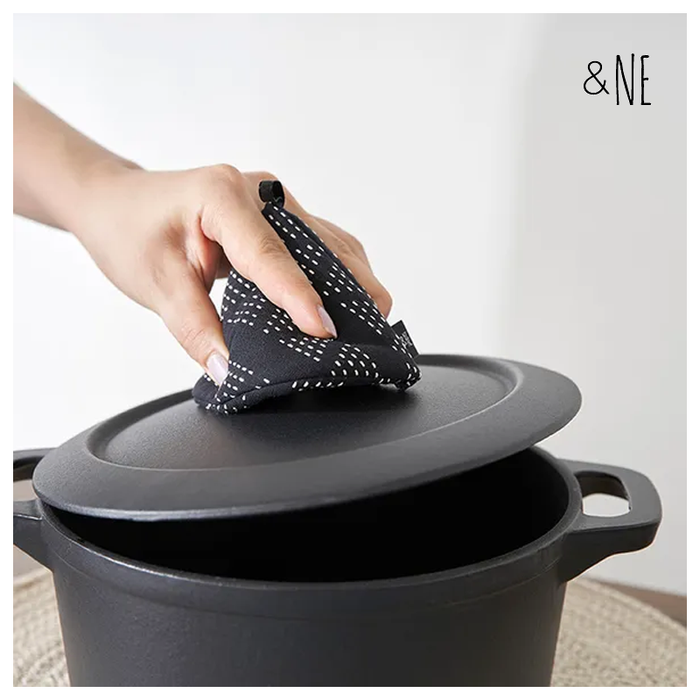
(461, 150)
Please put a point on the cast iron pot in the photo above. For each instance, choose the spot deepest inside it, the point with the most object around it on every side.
(454, 583)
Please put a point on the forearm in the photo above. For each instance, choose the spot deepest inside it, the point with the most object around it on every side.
(54, 164)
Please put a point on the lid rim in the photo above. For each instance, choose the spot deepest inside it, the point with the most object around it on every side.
(539, 403)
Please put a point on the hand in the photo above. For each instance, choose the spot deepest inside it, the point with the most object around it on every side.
(164, 237)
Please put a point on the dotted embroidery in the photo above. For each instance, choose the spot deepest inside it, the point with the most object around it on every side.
(270, 356)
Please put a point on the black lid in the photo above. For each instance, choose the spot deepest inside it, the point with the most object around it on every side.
(170, 459)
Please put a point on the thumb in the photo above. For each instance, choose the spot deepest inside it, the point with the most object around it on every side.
(189, 314)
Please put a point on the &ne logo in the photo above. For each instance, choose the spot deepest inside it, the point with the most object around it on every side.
(625, 80)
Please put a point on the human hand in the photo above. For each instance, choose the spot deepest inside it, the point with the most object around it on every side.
(164, 237)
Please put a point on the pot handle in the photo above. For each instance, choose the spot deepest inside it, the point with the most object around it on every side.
(593, 538)
(27, 519)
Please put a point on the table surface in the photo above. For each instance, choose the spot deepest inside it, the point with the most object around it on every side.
(674, 606)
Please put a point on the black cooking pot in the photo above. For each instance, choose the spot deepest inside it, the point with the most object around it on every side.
(369, 571)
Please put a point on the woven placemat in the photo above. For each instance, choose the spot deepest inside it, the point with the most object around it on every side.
(607, 639)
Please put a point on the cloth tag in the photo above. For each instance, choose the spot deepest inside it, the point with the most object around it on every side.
(400, 329)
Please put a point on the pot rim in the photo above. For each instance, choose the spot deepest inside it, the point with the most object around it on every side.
(447, 587)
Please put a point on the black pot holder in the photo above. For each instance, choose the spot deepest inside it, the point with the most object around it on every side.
(270, 357)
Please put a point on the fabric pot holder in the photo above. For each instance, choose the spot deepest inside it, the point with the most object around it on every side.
(270, 357)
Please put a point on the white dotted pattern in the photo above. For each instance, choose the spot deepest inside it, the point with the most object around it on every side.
(270, 356)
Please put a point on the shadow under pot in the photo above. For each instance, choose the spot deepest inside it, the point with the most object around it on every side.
(389, 574)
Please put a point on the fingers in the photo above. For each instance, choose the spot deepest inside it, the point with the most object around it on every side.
(356, 262)
(345, 246)
(189, 314)
(351, 241)
(232, 218)
(352, 255)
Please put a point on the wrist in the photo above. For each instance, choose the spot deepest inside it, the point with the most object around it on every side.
(94, 184)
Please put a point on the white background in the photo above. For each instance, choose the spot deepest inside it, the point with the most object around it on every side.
(508, 212)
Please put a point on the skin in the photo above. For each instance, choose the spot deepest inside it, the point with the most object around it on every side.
(163, 238)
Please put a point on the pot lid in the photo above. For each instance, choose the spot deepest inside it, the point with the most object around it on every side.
(171, 459)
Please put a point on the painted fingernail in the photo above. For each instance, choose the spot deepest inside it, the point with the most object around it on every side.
(217, 367)
(327, 321)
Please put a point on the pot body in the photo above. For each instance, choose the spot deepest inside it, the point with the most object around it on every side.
(491, 622)
(113, 638)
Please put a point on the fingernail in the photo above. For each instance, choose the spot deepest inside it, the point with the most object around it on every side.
(217, 367)
(327, 321)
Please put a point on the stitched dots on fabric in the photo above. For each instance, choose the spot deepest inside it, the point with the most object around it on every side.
(271, 357)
